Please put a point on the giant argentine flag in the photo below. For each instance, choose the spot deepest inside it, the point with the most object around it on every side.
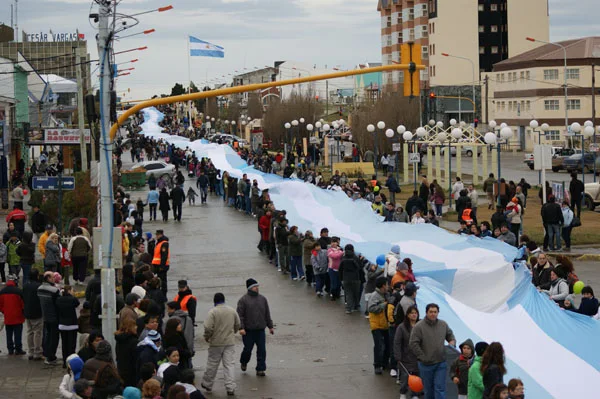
(200, 48)
(480, 294)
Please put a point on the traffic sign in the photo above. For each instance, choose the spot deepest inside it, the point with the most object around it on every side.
(314, 140)
(396, 147)
(51, 183)
(414, 157)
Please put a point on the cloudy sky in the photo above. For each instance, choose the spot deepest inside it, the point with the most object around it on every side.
(255, 33)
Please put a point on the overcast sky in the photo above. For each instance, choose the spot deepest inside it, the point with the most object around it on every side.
(254, 33)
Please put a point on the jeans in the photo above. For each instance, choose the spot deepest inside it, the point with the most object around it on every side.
(334, 278)
(566, 235)
(434, 380)
(216, 355)
(296, 266)
(381, 348)
(14, 335)
(26, 269)
(203, 194)
(352, 295)
(79, 268)
(219, 188)
(50, 340)
(282, 256)
(153, 211)
(248, 205)
(177, 211)
(320, 282)
(554, 236)
(69, 343)
(34, 336)
(438, 209)
(258, 338)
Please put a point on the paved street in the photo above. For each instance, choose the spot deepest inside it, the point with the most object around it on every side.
(317, 350)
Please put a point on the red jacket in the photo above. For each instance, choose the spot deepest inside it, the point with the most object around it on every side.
(16, 214)
(65, 259)
(11, 304)
(264, 224)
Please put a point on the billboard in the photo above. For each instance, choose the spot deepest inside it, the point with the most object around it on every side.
(65, 136)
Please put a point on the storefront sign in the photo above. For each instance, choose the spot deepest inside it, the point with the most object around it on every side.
(65, 136)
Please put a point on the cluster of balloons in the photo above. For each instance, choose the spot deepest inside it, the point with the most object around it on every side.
(577, 287)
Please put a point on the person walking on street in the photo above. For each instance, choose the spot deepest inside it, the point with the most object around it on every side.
(407, 361)
(161, 259)
(392, 185)
(12, 306)
(152, 201)
(177, 199)
(552, 218)
(427, 343)
(33, 315)
(48, 294)
(255, 316)
(576, 190)
(567, 224)
(66, 306)
(163, 200)
(219, 331)
(351, 274)
(202, 184)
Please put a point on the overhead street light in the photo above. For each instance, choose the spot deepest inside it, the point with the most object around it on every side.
(160, 9)
(146, 32)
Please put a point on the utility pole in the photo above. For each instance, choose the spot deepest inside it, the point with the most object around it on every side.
(326, 97)
(487, 99)
(80, 107)
(109, 302)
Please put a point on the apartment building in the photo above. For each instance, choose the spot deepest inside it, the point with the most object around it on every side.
(459, 39)
(531, 86)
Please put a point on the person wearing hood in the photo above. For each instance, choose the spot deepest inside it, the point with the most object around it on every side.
(427, 343)
(102, 357)
(88, 349)
(255, 316)
(132, 393)
(569, 303)
(418, 218)
(66, 306)
(459, 369)
(558, 290)
(149, 350)
(219, 331)
(174, 310)
(391, 262)
(126, 343)
(475, 385)
(319, 263)
(372, 273)
(52, 256)
(12, 306)
(74, 368)
(377, 205)
(351, 274)
(400, 275)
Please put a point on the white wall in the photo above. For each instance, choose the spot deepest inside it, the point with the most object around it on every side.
(7, 82)
(527, 18)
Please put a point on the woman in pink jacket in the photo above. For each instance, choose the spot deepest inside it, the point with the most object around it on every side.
(334, 254)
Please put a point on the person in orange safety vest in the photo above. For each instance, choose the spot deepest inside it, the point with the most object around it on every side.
(161, 259)
(186, 300)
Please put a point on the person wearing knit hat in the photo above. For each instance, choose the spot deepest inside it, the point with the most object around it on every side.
(149, 351)
(255, 316)
(103, 356)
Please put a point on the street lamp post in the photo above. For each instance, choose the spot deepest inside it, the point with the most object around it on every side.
(287, 126)
(336, 126)
(583, 132)
(233, 128)
(380, 126)
(531, 39)
(318, 126)
(490, 138)
(371, 129)
(544, 128)
(309, 129)
(473, 84)
(326, 128)
(294, 134)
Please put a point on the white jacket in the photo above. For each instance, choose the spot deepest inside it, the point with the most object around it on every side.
(66, 387)
(391, 261)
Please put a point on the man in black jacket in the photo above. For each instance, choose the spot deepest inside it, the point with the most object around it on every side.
(281, 240)
(415, 202)
(202, 184)
(552, 218)
(38, 221)
(576, 189)
(66, 306)
(48, 294)
(177, 199)
(424, 190)
(33, 315)
(351, 273)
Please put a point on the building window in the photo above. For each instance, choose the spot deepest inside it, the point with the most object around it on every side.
(433, 48)
(502, 78)
(481, 8)
(573, 74)
(574, 104)
(434, 70)
(411, 14)
(424, 12)
(423, 30)
(400, 37)
(493, 7)
(433, 27)
(553, 135)
(481, 29)
(551, 105)
(424, 52)
(528, 105)
(481, 50)
(399, 18)
(514, 76)
(389, 21)
(494, 28)
(528, 75)
(550, 74)
(494, 49)
(510, 106)
(522, 75)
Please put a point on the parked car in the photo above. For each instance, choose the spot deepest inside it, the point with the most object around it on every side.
(559, 157)
(159, 168)
(592, 195)
(573, 163)
(529, 160)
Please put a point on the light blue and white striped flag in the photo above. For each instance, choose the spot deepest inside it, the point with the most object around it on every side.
(200, 48)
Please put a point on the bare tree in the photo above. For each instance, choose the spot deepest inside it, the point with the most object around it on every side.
(255, 109)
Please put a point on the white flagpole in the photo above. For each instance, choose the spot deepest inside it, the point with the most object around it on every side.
(189, 81)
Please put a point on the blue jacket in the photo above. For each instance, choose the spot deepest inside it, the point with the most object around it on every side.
(588, 306)
(153, 197)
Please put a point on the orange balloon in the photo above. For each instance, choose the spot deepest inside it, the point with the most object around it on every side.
(415, 383)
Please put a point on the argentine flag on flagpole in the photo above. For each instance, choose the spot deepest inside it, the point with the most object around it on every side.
(200, 48)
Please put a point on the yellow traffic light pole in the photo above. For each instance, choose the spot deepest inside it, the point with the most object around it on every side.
(261, 86)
